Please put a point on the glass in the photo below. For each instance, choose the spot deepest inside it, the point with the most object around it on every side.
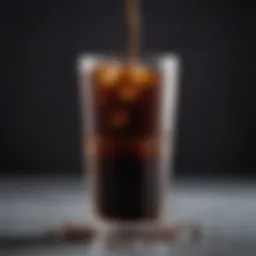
(128, 112)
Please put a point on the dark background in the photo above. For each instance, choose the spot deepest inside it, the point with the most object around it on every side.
(39, 110)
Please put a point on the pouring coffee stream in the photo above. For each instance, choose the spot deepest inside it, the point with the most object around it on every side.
(133, 21)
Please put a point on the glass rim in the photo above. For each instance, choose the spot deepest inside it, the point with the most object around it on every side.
(146, 58)
(122, 56)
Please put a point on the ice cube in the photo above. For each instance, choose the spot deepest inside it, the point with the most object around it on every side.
(143, 76)
(129, 93)
(108, 76)
(118, 119)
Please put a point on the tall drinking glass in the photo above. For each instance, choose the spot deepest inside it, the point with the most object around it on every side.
(129, 112)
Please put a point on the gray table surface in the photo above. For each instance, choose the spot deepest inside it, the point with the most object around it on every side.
(226, 210)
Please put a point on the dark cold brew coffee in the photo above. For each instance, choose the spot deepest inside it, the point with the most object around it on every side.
(125, 141)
